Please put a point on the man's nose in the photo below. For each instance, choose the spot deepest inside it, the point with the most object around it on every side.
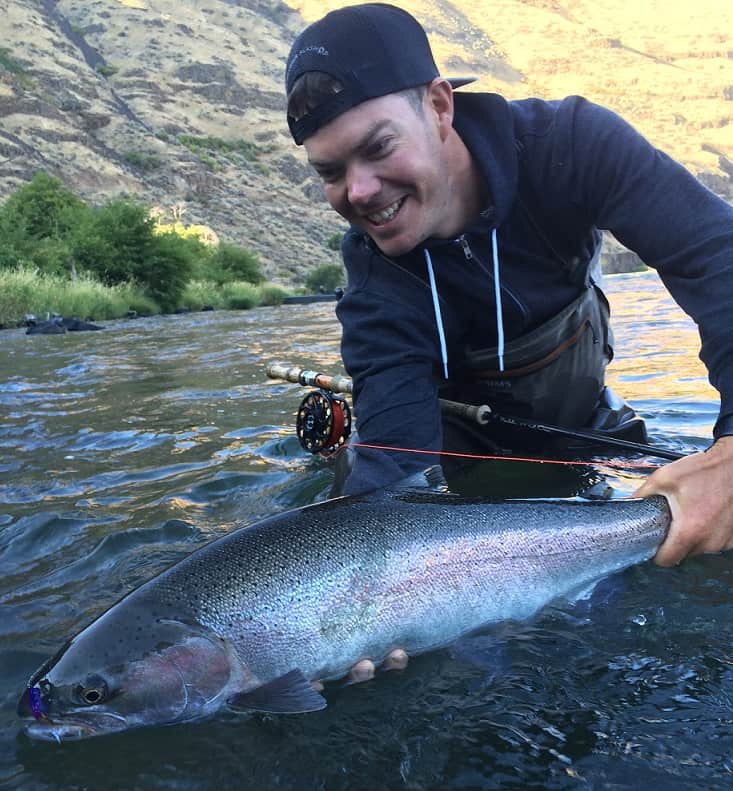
(362, 184)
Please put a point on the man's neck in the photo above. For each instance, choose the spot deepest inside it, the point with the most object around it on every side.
(469, 191)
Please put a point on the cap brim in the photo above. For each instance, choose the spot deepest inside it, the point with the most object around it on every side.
(459, 82)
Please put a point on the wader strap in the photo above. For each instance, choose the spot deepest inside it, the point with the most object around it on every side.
(537, 364)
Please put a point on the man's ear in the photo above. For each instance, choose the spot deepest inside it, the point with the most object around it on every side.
(439, 97)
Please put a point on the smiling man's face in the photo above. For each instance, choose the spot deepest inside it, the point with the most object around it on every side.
(385, 170)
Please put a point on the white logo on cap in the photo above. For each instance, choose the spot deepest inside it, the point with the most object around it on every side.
(313, 48)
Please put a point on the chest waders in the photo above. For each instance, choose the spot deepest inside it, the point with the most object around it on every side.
(552, 374)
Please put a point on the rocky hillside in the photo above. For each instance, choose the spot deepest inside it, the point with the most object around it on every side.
(180, 102)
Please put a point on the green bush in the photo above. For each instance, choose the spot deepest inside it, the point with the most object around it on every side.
(326, 278)
(198, 293)
(197, 145)
(168, 267)
(115, 242)
(106, 69)
(241, 296)
(272, 294)
(42, 209)
(46, 230)
(142, 161)
(230, 262)
(119, 244)
(334, 241)
(7, 63)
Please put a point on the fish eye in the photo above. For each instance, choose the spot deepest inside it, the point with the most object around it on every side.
(93, 691)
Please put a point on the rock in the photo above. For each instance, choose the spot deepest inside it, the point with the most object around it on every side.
(58, 325)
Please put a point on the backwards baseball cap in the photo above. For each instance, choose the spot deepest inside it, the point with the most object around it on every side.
(371, 49)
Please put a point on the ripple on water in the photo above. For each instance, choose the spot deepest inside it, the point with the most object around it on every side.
(177, 436)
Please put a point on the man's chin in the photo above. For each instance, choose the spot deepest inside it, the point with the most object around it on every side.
(393, 246)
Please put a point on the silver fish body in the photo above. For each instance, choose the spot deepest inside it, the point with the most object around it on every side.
(254, 616)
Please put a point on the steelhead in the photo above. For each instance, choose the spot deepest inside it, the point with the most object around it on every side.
(253, 617)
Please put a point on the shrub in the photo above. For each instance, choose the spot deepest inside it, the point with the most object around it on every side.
(115, 242)
(168, 268)
(334, 241)
(106, 69)
(272, 294)
(230, 262)
(142, 161)
(326, 278)
(241, 296)
(119, 244)
(198, 293)
(43, 209)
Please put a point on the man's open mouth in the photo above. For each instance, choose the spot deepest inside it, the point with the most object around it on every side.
(385, 215)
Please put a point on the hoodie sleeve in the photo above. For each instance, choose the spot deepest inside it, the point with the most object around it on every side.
(389, 348)
(657, 208)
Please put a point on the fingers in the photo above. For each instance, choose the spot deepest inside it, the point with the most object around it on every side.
(361, 671)
(365, 669)
(396, 660)
(700, 497)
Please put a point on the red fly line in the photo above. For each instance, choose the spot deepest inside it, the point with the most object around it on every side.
(483, 457)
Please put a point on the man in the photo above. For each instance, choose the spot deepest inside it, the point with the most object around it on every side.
(474, 236)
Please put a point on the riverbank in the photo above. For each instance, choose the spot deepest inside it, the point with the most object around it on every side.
(24, 292)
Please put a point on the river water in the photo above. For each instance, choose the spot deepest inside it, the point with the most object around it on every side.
(124, 450)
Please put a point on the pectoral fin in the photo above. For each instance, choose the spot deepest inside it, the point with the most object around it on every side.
(288, 694)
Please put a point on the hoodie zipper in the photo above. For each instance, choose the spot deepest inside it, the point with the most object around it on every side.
(469, 256)
(466, 247)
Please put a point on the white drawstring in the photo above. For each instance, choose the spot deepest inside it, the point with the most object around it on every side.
(497, 297)
(438, 317)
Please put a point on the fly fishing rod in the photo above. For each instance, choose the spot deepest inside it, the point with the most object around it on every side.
(324, 419)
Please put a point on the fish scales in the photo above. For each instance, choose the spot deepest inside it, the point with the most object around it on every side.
(303, 595)
(410, 572)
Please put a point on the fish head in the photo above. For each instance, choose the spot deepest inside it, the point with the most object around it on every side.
(130, 668)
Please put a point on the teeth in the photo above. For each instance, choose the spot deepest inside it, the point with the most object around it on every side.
(386, 214)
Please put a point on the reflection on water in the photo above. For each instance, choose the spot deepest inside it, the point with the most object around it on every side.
(126, 449)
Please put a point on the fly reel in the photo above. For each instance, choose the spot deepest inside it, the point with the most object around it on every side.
(323, 423)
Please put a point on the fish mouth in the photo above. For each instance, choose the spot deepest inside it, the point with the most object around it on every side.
(74, 726)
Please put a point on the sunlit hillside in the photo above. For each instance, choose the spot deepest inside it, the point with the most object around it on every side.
(180, 102)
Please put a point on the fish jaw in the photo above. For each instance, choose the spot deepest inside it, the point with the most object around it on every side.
(76, 725)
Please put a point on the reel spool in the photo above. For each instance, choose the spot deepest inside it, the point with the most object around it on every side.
(323, 423)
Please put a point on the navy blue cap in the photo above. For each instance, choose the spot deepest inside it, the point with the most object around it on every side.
(371, 49)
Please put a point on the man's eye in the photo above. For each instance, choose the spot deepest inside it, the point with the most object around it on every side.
(380, 147)
(329, 176)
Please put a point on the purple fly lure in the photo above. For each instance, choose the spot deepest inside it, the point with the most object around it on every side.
(36, 703)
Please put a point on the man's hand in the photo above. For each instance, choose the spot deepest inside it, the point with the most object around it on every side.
(365, 669)
(699, 489)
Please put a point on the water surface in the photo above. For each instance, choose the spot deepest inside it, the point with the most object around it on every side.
(124, 450)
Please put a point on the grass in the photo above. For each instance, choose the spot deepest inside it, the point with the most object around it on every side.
(217, 144)
(23, 291)
(238, 295)
(142, 160)
(13, 67)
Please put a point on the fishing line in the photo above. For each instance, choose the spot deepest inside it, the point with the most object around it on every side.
(487, 457)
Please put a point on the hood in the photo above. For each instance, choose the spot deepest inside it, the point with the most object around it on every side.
(485, 123)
